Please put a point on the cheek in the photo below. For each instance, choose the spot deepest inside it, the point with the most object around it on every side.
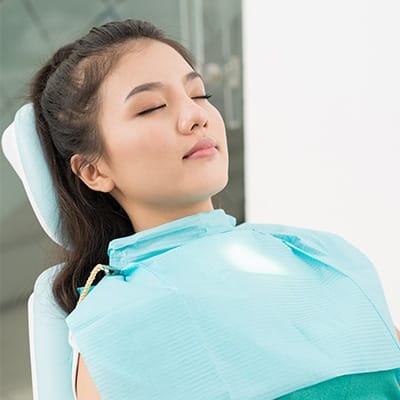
(145, 150)
(217, 121)
(219, 131)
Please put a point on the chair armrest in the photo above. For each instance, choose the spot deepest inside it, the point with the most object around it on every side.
(50, 351)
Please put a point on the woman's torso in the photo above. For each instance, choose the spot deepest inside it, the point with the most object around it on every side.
(242, 312)
(379, 385)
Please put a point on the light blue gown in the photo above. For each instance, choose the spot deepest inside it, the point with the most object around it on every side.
(202, 309)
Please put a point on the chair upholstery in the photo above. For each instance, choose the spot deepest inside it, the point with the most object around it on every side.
(51, 354)
(22, 148)
(50, 351)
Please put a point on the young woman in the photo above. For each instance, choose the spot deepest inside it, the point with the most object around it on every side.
(191, 305)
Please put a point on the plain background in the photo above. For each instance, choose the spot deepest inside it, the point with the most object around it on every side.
(322, 122)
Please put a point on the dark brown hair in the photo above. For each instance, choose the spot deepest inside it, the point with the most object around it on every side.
(64, 93)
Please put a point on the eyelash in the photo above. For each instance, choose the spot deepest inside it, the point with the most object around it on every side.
(206, 96)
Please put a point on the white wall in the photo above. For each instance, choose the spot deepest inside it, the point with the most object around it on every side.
(322, 122)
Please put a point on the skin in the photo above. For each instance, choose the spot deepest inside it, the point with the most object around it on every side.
(84, 386)
(143, 166)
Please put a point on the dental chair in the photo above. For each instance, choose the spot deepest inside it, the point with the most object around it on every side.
(51, 354)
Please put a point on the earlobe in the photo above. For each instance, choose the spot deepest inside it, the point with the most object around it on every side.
(91, 175)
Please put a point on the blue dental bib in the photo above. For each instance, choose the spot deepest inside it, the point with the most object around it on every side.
(202, 309)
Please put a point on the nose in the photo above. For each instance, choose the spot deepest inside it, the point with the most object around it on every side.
(192, 116)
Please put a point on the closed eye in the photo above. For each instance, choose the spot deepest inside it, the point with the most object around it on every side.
(151, 109)
(148, 111)
(206, 96)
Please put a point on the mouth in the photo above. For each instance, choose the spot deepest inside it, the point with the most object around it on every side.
(205, 147)
(202, 153)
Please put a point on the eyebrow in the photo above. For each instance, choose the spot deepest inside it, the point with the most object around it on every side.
(157, 85)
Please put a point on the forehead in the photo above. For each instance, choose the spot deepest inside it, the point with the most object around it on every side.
(147, 61)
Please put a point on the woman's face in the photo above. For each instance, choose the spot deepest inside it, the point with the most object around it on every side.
(152, 113)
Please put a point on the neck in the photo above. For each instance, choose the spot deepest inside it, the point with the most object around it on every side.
(145, 217)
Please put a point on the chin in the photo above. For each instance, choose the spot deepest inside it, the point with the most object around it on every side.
(201, 193)
(219, 187)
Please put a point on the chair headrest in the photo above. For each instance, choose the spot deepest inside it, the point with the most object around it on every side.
(21, 146)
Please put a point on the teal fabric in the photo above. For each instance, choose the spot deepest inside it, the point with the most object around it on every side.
(381, 385)
(199, 308)
(50, 352)
(34, 173)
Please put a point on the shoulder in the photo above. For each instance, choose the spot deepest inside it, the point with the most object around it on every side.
(292, 233)
(325, 244)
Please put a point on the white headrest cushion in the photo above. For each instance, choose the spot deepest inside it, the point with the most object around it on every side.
(22, 148)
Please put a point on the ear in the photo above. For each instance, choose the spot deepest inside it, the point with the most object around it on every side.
(94, 175)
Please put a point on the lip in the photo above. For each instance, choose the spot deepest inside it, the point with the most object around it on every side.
(202, 144)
